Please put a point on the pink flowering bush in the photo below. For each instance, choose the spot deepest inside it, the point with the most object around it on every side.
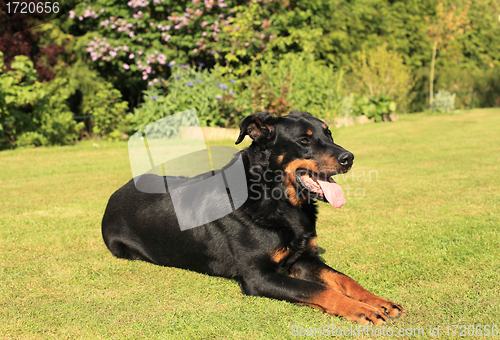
(140, 47)
(139, 38)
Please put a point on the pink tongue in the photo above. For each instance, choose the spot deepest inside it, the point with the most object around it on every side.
(333, 193)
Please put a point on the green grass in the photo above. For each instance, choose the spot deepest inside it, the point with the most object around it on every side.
(422, 231)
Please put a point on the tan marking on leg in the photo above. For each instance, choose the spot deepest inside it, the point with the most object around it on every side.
(333, 302)
(350, 288)
(280, 254)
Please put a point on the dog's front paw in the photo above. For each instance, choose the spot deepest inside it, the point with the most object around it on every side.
(365, 314)
(387, 307)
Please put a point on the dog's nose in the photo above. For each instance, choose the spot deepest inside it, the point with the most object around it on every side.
(346, 159)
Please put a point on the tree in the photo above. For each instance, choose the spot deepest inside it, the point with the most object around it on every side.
(380, 73)
(444, 28)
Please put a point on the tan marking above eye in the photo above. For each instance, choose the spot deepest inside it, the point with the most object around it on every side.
(280, 158)
(309, 132)
(325, 127)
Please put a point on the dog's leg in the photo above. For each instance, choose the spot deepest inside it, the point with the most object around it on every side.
(313, 269)
(313, 294)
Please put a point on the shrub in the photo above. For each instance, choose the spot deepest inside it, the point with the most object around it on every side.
(296, 81)
(484, 82)
(347, 106)
(109, 111)
(32, 138)
(444, 101)
(137, 39)
(487, 82)
(33, 113)
(268, 88)
(98, 98)
(373, 107)
(382, 72)
(316, 88)
(188, 88)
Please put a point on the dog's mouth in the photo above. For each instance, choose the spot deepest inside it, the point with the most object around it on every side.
(325, 188)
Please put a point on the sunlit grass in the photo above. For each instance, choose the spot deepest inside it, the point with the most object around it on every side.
(420, 228)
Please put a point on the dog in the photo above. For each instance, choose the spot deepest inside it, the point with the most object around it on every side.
(269, 243)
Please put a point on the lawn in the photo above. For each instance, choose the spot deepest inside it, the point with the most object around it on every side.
(420, 227)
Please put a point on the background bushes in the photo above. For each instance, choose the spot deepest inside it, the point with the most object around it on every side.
(33, 113)
(187, 88)
(114, 64)
(381, 73)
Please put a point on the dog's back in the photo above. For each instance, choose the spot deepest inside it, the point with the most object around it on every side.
(144, 226)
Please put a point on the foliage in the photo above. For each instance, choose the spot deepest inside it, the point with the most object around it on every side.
(108, 110)
(444, 101)
(373, 107)
(242, 34)
(137, 42)
(17, 38)
(138, 39)
(296, 81)
(33, 113)
(188, 88)
(132, 44)
(89, 94)
(487, 83)
(479, 46)
(233, 31)
(484, 82)
(382, 72)
(352, 26)
(316, 88)
(444, 27)
(282, 55)
(268, 88)
(347, 106)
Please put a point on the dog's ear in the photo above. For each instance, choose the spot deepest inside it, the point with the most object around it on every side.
(259, 126)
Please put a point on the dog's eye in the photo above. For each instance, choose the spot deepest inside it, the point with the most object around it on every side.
(305, 141)
(329, 133)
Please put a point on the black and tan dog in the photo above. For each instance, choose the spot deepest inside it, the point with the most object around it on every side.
(269, 244)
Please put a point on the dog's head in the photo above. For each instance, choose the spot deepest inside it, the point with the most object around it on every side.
(299, 148)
